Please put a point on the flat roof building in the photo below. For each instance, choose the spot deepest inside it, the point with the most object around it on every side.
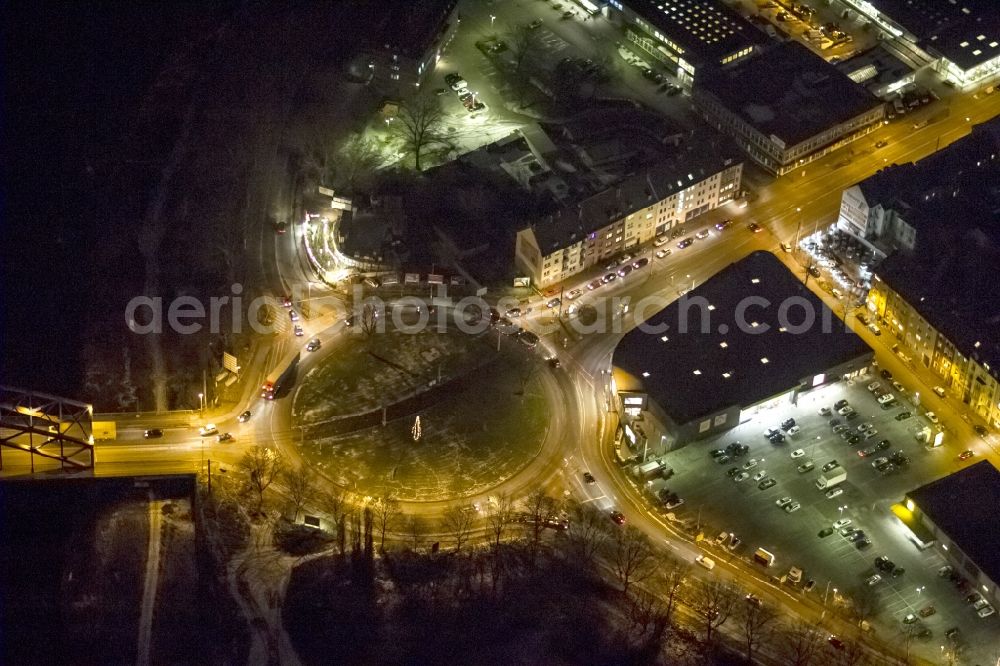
(959, 40)
(960, 512)
(687, 36)
(786, 106)
(751, 334)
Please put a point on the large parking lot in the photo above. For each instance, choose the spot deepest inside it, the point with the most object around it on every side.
(839, 569)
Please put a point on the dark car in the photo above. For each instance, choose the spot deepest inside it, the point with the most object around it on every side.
(980, 430)
(830, 465)
(902, 416)
(886, 374)
(153, 433)
(244, 417)
(777, 438)
(883, 445)
(589, 478)
(840, 404)
(732, 471)
(835, 642)
(618, 517)
(226, 437)
(862, 543)
(852, 416)
(723, 459)
(788, 424)
(825, 532)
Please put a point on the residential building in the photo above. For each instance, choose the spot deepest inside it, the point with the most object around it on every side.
(957, 515)
(958, 40)
(406, 41)
(786, 106)
(707, 362)
(701, 175)
(686, 36)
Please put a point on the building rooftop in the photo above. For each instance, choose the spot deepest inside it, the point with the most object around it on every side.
(875, 68)
(788, 93)
(702, 30)
(967, 33)
(693, 374)
(693, 161)
(963, 505)
(409, 27)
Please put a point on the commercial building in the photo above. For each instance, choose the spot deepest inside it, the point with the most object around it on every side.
(957, 514)
(702, 174)
(959, 40)
(786, 106)
(750, 337)
(407, 39)
(880, 71)
(687, 36)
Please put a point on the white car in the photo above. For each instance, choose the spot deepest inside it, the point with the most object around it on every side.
(461, 84)
(574, 294)
(798, 453)
(794, 430)
(759, 476)
(834, 492)
(660, 241)
(742, 476)
(824, 411)
(208, 429)
(843, 522)
(702, 235)
(874, 579)
(986, 611)
(783, 501)
(750, 464)
(794, 506)
(665, 252)
(874, 386)
(886, 398)
(939, 390)
(932, 417)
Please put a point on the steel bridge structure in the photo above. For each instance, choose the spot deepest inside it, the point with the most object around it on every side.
(46, 427)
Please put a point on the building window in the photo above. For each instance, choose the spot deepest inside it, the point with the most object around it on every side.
(705, 425)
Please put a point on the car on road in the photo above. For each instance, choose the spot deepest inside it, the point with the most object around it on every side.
(766, 483)
(685, 243)
(981, 430)
(723, 459)
(830, 465)
(965, 455)
(939, 391)
(244, 417)
(208, 429)
(610, 277)
(794, 430)
(624, 270)
(786, 247)
(639, 263)
(805, 467)
(732, 471)
(665, 252)
(589, 478)
(723, 224)
(152, 433)
(226, 437)
(835, 642)
(755, 228)
(554, 303)
(754, 600)
(798, 453)
(618, 517)
(702, 234)
(293, 315)
(574, 294)
(313, 345)
(594, 284)
(927, 611)
(717, 453)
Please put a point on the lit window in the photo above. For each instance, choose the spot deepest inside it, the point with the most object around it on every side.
(755, 280)
(727, 375)
(664, 338)
(754, 324)
(697, 372)
(711, 307)
(723, 344)
(645, 374)
(764, 360)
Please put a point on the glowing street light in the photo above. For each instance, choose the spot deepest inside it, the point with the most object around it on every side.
(492, 19)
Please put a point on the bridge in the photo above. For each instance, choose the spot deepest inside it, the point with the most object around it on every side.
(45, 428)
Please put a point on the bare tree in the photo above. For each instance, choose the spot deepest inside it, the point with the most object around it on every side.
(416, 528)
(541, 510)
(262, 466)
(801, 643)
(359, 157)
(458, 521)
(588, 531)
(499, 515)
(419, 125)
(671, 580)
(385, 510)
(300, 482)
(369, 320)
(633, 555)
(852, 654)
(524, 45)
(715, 601)
(648, 613)
(757, 622)
(335, 503)
(865, 602)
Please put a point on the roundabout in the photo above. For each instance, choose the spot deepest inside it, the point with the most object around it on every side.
(484, 413)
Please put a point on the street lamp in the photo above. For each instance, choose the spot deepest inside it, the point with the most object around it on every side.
(921, 589)
(841, 510)
(492, 19)
(201, 404)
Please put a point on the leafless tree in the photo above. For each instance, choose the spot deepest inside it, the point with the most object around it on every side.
(865, 602)
(587, 533)
(335, 503)
(300, 483)
(261, 466)
(671, 579)
(647, 613)
(524, 45)
(715, 601)
(633, 555)
(457, 520)
(416, 528)
(541, 510)
(499, 514)
(801, 643)
(369, 319)
(419, 125)
(359, 157)
(385, 510)
(852, 654)
(757, 623)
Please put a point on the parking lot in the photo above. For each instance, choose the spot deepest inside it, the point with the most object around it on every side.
(839, 569)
